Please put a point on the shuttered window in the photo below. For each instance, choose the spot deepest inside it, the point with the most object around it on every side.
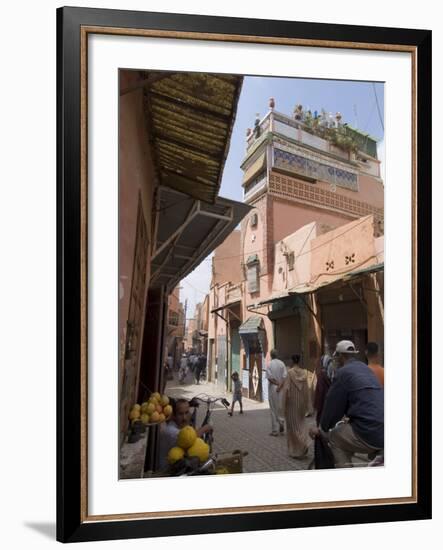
(253, 277)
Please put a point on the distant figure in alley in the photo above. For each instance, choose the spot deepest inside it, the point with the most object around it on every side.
(236, 393)
(276, 374)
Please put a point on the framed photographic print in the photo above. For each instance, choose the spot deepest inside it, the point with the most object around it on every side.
(232, 354)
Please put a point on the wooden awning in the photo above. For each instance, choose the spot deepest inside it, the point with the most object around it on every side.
(190, 117)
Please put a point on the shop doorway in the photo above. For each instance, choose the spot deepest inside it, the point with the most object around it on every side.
(287, 332)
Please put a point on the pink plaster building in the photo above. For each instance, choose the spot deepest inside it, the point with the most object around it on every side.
(170, 213)
(176, 326)
(198, 329)
(225, 311)
(329, 283)
(317, 200)
(191, 329)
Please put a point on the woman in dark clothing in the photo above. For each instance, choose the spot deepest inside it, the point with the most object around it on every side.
(324, 380)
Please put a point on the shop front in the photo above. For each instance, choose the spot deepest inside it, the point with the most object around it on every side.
(287, 318)
(349, 313)
(227, 356)
(253, 336)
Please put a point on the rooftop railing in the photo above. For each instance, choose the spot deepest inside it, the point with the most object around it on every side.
(323, 132)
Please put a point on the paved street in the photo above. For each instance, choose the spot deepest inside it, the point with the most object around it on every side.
(248, 432)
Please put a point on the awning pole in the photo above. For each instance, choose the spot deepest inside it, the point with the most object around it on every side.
(249, 308)
(313, 313)
(221, 316)
(363, 303)
(228, 218)
(191, 215)
(234, 314)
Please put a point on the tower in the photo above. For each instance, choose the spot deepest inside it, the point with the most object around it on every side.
(301, 169)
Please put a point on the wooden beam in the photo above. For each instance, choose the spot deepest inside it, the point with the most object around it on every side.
(163, 136)
(187, 106)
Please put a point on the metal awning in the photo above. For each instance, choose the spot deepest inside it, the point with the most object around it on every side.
(251, 326)
(253, 259)
(306, 288)
(190, 117)
(273, 298)
(253, 334)
(226, 306)
(187, 231)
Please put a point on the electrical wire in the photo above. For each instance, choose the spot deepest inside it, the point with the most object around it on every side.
(378, 107)
(369, 118)
(344, 270)
(335, 272)
(301, 253)
(193, 287)
(306, 252)
(341, 271)
(306, 240)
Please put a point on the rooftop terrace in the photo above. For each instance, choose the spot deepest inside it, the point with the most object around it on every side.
(323, 131)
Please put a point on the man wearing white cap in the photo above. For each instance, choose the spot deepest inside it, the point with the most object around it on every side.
(357, 395)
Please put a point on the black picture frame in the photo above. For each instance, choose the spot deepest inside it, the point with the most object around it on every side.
(72, 526)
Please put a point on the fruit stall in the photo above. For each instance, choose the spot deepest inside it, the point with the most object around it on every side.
(190, 455)
(142, 418)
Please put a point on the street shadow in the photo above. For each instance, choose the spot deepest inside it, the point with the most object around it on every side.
(48, 530)
(249, 432)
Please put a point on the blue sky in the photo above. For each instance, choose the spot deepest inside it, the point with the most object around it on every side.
(356, 101)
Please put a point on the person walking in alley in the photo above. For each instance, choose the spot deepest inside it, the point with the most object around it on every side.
(170, 362)
(357, 397)
(200, 366)
(236, 393)
(374, 362)
(183, 369)
(295, 405)
(192, 359)
(275, 374)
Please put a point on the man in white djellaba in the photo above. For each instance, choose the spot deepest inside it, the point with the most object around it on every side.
(276, 374)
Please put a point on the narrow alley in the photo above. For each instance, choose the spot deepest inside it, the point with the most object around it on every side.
(248, 432)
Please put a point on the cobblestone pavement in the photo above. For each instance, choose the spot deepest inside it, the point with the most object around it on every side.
(247, 432)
